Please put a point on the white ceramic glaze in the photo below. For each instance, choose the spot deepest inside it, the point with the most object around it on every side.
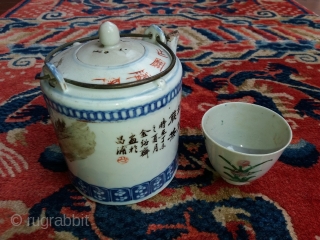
(244, 140)
(120, 144)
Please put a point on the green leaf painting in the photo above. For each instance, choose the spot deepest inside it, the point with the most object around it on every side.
(242, 172)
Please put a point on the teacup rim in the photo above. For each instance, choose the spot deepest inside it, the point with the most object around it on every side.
(204, 132)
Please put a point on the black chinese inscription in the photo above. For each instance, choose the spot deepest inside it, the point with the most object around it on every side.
(120, 140)
(162, 124)
(121, 150)
(133, 149)
(143, 133)
(133, 139)
(154, 138)
(144, 152)
(150, 140)
(173, 117)
(172, 134)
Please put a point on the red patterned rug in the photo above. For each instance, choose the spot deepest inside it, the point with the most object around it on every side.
(265, 52)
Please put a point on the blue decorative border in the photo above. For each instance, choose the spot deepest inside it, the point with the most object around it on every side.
(123, 195)
(115, 115)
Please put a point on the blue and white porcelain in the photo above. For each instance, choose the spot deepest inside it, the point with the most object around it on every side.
(114, 103)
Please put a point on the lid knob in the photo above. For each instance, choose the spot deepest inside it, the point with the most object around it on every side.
(109, 34)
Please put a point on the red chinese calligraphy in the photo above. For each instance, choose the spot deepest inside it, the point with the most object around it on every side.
(106, 81)
(158, 63)
(114, 81)
(139, 75)
(161, 53)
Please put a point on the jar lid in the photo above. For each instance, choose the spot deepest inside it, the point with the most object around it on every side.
(112, 60)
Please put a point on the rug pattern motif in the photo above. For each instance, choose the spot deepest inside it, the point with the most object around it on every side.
(265, 52)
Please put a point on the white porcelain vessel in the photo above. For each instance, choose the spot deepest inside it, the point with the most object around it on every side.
(114, 102)
(244, 140)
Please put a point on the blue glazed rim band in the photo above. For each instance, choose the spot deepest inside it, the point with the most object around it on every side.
(117, 114)
(126, 194)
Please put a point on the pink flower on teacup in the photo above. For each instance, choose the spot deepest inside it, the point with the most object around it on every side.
(239, 173)
(243, 163)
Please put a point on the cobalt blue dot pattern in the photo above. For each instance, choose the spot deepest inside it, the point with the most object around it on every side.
(116, 115)
(122, 195)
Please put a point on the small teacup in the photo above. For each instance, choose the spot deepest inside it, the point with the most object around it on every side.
(244, 140)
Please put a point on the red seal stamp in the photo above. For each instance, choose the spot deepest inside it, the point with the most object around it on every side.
(123, 159)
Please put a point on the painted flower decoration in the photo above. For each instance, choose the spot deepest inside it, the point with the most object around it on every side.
(239, 173)
(242, 170)
(243, 163)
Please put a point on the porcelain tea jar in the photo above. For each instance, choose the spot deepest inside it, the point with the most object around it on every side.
(114, 102)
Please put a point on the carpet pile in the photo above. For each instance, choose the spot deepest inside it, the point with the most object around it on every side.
(265, 52)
